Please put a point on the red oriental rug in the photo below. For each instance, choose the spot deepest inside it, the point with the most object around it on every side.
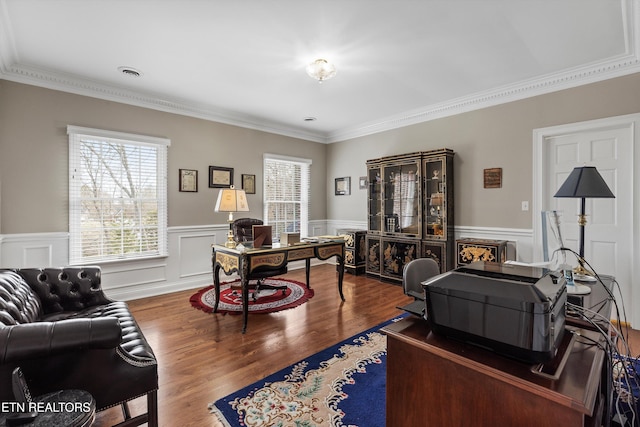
(268, 301)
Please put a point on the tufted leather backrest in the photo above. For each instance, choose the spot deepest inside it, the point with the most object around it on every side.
(65, 288)
(243, 229)
(18, 303)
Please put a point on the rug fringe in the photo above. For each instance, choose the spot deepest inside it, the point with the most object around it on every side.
(215, 411)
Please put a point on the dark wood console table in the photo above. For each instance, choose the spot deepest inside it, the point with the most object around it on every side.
(244, 260)
(436, 381)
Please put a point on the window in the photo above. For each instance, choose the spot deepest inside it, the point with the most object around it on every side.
(117, 195)
(286, 194)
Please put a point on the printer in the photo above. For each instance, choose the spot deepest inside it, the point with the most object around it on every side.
(514, 310)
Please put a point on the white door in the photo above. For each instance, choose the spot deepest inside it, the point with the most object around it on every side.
(609, 245)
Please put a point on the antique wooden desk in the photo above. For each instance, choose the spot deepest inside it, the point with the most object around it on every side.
(433, 380)
(245, 260)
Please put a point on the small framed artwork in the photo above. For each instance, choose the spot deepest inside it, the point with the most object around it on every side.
(493, 178)
(249, 183)
(363, 182)
(343, 186)
(220, 177)
(189, 180)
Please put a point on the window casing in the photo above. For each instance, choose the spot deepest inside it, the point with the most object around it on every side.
(286, 194)
(117, 196)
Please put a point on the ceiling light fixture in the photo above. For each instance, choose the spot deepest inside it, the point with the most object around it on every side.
(321, 70)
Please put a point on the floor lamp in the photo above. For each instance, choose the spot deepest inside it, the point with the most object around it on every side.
(231, 200)
(584, 182)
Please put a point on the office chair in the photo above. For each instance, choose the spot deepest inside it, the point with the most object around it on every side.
(243, 233)
(414, 273)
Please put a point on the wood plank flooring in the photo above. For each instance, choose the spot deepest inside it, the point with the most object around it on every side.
(203, 357)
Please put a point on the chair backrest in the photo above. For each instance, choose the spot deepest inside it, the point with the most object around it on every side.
(243, 229)
(415, 272)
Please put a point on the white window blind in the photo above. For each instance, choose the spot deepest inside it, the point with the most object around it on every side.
(117, 195)
(286, 194)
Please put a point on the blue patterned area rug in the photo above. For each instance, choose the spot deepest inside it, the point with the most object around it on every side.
(343, 385)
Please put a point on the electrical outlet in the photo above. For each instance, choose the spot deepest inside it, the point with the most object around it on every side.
(525, 205)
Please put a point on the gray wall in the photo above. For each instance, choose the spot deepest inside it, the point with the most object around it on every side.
(34, 151)
(34, 156)
(498, 136)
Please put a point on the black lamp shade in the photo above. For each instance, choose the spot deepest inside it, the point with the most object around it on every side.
(584, 182)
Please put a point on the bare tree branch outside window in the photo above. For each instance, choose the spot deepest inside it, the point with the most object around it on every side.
(118, 199)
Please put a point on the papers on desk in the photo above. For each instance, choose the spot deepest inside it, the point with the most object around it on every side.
(322, 239)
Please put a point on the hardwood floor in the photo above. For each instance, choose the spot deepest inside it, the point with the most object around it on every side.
(203, 357)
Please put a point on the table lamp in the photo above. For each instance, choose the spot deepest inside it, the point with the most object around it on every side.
(231, 200)
(581, 183)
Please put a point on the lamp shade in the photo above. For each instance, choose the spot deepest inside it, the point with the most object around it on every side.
(232, 200)
(584, 182)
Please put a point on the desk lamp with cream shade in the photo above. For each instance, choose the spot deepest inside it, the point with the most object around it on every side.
(231, 200)
(584, 182)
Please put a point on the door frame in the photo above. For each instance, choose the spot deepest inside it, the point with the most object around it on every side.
(540, 189)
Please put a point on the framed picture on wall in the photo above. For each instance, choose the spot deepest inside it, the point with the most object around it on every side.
(220, 177)
(343, 186)
(249, 183)
(189, 180)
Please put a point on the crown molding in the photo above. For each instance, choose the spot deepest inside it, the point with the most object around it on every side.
(522, 90)
(576, 77)
(80, 86)
(625, 65)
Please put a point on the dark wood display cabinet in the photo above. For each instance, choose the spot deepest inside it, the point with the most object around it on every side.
(410, 211)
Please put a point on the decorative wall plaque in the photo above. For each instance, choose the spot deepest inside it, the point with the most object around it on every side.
(493, 178)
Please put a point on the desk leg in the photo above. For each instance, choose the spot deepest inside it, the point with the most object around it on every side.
(340, 275)
(216, 285)
(307, 263)
(245, 301)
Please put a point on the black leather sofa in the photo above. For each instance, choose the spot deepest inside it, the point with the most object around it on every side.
(59, 327)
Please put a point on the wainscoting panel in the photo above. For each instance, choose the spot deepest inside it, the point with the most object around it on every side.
(34, 250)
(188, 265)
(194, 249)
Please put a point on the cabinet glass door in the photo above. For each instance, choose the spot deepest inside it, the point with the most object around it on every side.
(401, 202)
(435, 200)
(375, 199)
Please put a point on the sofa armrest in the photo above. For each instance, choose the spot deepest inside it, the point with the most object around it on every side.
(32, 340)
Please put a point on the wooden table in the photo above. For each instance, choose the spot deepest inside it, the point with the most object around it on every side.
(244, 260)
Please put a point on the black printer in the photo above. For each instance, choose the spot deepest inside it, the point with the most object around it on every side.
(514, 310)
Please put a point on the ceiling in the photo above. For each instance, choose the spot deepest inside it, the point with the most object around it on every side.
(243, 62)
